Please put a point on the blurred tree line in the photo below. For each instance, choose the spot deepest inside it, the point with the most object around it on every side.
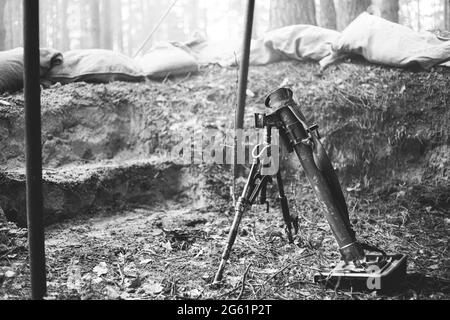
(122, 25)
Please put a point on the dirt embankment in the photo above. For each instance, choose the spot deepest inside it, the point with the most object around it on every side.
(383, 127)
(387, 132)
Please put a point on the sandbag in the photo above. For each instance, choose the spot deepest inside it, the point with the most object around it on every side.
(97, 66)
(384, 42)
(11, 67)
(213, 51)
(165, 60)
(298, 42)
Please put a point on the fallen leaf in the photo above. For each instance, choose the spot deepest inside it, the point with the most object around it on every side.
(97, 280)
(130, 270)
(101, 269)
(136, 283)
(51, 296)
(125, 296)
(153, 288)
(268, 270)
(156, 232)
(167, 246)
(74, 277)
(194, 293)
(112, 293)
(145, 261)
(10, 274)
(234, 280)
(206, 276)
(434, 267)
(161, 98)
(250, 93)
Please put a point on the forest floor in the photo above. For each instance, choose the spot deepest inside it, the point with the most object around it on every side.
(387, 133)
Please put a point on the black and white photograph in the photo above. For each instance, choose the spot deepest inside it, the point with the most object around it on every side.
(224, 156)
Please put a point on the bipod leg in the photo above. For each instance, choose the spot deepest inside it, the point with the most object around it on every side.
(242, 204)
(290, 222)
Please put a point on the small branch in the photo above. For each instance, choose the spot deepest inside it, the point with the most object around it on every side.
(122, 279)
(244, 277)
(278, 272)
(229, 292)
(273, 276)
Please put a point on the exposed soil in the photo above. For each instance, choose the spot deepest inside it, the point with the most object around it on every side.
(125, 222)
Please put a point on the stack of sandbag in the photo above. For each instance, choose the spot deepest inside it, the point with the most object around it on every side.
(95, 65)
(297, 42)
(164, 60)
(11, 67)
(205, 52)
(384, 42)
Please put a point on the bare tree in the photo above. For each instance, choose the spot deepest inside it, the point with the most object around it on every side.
(348, 10)
(65, 39)
(129, 35)
(328, 14)
(43, 6)
(447, 14)
(118, 24)
(289, 12)
(419, 26)
(8, 21)
(388, 9)
(106, 28)
(2, 25)
(15, 25)
(193, 14)
(94, 9)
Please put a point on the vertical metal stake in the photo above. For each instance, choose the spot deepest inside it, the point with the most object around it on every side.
(32, 97)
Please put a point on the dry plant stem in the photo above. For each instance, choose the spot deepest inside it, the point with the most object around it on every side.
(244, 277)
(278, 272)
(122, 279)
(273, 276)
(229, 292)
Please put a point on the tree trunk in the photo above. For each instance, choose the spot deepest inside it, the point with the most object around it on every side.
(328, 14)
(65, 39)
(130, 39)
(447, 15)
(419, 13)
(2, 25)
(290, 12)
(9, 24)
(118, 24)
(15, 11)
(55, 13)
(106, 29)
(94, 8)
(42, 23)
(348, 10)
(388, 9)
(193, 16)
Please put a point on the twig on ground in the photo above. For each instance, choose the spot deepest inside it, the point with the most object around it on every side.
(244, 277)
(273, 276)
(229, 292)
(122, 279)
(278, 272)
